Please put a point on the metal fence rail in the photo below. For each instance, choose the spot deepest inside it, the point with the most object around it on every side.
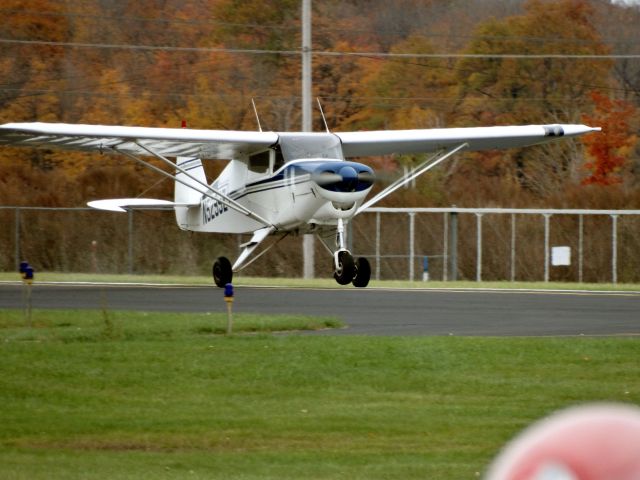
(445, 243)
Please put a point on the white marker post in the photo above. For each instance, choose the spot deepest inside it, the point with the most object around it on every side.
(228, 297)
(27, 273)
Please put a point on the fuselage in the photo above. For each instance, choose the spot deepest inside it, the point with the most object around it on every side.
(298, 184)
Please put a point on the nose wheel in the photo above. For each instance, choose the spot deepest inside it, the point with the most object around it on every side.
(346, 269)
(349, 271)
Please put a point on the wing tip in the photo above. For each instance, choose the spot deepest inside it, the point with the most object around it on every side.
(106, 205)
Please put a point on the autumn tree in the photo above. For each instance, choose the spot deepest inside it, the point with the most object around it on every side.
(609, 150)
(618, 24)
(546, 87)
(405, 93)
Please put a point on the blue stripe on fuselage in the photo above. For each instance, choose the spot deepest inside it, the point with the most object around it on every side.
(288, 172)
(289, 175)
(268, 185)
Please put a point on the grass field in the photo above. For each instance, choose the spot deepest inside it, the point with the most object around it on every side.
(89, 396)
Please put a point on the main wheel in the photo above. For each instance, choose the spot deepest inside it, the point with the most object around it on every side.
(346, 268)
(222, 273)
(363, 273)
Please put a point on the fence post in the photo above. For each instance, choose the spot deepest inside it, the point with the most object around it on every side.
(478, 247)
(445, 245)
(130, 253)
(412, 228)
(547, 216)
(377, 245)
(17, 238)
(614, 248)
(513, 247)
(580, 245)
(453, 258)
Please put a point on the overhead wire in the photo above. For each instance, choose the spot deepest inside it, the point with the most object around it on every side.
(387, 56)
(320, 53)
(426, 32)
(370, 55)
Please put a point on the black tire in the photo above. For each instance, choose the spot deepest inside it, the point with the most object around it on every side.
(363, 273)
(346, 268)
(222, 273)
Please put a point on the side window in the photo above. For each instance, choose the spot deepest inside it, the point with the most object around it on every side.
(259, 162)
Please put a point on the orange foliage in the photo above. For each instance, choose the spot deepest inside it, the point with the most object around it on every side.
(609, 150)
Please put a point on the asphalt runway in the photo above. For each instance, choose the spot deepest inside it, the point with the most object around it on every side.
(372, 311)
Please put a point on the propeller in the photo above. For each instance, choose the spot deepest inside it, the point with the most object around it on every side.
(345, 179)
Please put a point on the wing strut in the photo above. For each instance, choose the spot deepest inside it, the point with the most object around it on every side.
(217, 196)
(425, 166)
(251, 245)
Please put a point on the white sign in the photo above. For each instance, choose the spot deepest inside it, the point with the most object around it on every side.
(560, 256)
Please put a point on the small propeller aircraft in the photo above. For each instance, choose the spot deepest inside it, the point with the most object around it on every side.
(276, 183)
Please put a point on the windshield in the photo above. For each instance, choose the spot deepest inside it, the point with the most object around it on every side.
(296, 146)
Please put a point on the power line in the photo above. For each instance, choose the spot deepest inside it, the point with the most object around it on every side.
(385, 32)
(469, 71)
(165, 48)
(324, 53)
(386, 100)
(177, 21)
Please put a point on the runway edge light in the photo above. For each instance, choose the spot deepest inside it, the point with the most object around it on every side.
(228, 297)
(23, 268)
(27, 274)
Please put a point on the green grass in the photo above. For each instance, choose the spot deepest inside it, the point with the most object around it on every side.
(98, 325)
(314, 283)
(163, 397)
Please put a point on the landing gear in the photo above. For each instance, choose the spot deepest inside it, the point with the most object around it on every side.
(363, 273)
(222, 273)
(346, 270)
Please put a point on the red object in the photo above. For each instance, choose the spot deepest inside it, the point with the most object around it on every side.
(595, 442)
(609, 151)
(184, 124)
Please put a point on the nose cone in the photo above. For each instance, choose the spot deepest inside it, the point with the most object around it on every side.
(349, 179)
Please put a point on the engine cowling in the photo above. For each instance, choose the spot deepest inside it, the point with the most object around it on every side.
(343, 183)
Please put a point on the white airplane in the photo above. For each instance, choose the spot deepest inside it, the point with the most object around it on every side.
(276, 183)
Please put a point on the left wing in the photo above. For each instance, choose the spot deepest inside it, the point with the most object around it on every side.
(170, 142)
(386, 142)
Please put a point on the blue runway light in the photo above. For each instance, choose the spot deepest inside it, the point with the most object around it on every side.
(28, 273)
(228, 290)
(425, 269)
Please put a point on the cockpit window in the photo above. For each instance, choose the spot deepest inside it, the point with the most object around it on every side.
(259, 162)
(299, 146)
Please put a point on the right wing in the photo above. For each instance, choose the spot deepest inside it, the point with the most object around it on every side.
(169, 142)
(386, 142)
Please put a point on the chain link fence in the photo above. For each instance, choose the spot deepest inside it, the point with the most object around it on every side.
(502, 244)
(414, 244)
